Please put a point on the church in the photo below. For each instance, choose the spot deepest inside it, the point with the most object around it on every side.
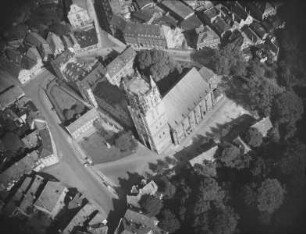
(164, 120)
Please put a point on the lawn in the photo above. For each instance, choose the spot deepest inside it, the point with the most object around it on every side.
(63, 102)
(99, 153)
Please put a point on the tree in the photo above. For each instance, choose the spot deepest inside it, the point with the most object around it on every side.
(253, 137)
(166, 187)
(232, 157)
(78, 108)
(156, 63)
(60, 28)
(12, 142)
(168, 221)
(68, 114)
(287, 108)
(151, 205)
(270, 196)
(224, 221)
(125, 142)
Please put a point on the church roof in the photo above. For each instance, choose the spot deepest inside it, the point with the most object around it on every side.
(184, 96)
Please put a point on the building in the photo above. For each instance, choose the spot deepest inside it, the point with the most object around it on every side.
(59, 63)
(112, 100)
(12, 174)
(259, 30)
(178, 9)
(78, 14)
(134, 222)
(263, 126)
(47, 154)
(121, 66)
(10, 208)
(141, 36)
(261, 9)
(148, 113)
(206, 37)
(9, 96)
(51, 199)
(186, 104)
(55, 43)
(104, 14)
(13, 55)
(161, 121)
(240, 14)
(26, 205)
(83, 126)
(209, 15)
(249, 37)
(34, 39)
(32, 65)
(220, 26)
(30, 141)
(85, 85)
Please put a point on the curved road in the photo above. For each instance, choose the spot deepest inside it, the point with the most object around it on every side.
(68, 156)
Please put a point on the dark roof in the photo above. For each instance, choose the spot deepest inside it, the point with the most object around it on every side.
(258, 29)
(166, 20)
(137, 29)
(34, 39)
(238, 11)
(249, 33)
(191, 23)
(143, 15)
(93, 77)
(46, 149)
(17, 170)
(184, 96)
(220, 26)
(143, 3)
(211, 13)
(10, 95)
(13, 55)
(178, 8)
(86, 38)
(110, 93)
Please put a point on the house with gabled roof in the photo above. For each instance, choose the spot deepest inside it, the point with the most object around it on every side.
(121, 66)
(78, 14)
(51, 199)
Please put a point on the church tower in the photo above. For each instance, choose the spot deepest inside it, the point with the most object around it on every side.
(148, 113)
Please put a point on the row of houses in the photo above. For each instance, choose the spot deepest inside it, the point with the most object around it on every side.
(35, 195)
(41, 153)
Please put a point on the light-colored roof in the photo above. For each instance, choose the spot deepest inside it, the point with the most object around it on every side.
(178, 8)
(138, 85)
(207, 155)
(88, 116)
(120, 61)
(206, 35)
(10, 95)
(263, 126)
(184, 96)
(50, 195)
(81, 3)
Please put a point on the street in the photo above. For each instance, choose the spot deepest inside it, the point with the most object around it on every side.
(70, 169)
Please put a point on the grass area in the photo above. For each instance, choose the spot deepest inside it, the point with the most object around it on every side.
(64, 103)
(97, 150)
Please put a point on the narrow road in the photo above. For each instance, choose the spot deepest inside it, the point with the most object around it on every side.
(91, 187)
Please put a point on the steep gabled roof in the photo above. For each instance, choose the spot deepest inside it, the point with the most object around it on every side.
(184, 96)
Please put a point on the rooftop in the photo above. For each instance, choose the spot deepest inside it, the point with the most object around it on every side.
(10, 95)
(211, 13)
(191, 23)
(143, 3)
(138, 85)
(86, 38)
(263, 126)
(143, 30)
(88, 116)
(184, 96)
(96, 75)
(50, 195)
(34, 39)
(178, 8)
(258, 29)
(138, 218)
(207, 34)
(120, 61)
(46, 149)
(31, 194)
(118, 22)
(221, 26)
(249, 34)
(14, 172)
